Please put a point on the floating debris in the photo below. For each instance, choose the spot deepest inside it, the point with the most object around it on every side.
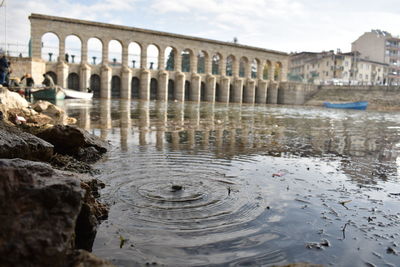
(175, 188)
(318, 245)
(122, 241)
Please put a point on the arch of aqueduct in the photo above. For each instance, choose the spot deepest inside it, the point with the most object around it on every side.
(242, 82)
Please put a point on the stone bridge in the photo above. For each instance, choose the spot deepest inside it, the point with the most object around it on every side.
(194, 69)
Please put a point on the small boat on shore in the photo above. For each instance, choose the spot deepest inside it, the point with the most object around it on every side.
(48, 94)
(69, 93)
(360, 105)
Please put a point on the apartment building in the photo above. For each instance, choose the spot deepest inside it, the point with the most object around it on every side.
(336, 68)
(381, 46)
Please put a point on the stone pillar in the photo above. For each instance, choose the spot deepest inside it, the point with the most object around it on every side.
(272, 93)
(179, 86)
(224, 86)
(145, 78)
(126, 77)
(261, 96)
(143, 56)
(210, 88)
(207, 64)
(125, 55)
(85, 72)
(36, 41)
(272, 74)
(61, 49)
(162, 93)
(161, 58)
(222, 66)
(238, 89)
(193, 63)
(235, 67)
(105, 76)
(104, 54)
(178, 61)
(284, 71)
(247, 70)
(84, 52)
(260, 71)
(250, 91)
(195, 86)
(62, 74)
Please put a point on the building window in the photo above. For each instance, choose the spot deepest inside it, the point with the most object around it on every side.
(327, 63)
(366, 76)
(346, 63)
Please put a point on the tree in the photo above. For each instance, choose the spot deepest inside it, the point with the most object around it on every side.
(170, 61)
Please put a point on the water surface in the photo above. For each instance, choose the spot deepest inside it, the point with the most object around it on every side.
(244, 185)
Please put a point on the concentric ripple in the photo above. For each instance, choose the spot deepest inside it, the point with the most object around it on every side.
(185, 205)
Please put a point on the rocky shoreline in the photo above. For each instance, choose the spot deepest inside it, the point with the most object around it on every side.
(48, 198)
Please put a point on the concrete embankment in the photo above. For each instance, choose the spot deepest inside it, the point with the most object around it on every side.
(379, 97)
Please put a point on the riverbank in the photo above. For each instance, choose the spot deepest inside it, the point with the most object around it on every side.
(49, 200)
(382, 99)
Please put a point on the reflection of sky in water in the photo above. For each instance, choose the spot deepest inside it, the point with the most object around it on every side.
(234, 208)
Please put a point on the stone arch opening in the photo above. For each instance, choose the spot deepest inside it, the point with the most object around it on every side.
(73, 45)
(201, 62)
(203, 91)
(171, 89)
(215, 64)
(115, 86)
(229, 65)
(135, 88)
(243, 67)
(186, 60)
(153, 89)
(278, 71)
(95, 47)
(217, 92)
(134, 52)
(115, 53)
(152, 57)
(267, 70)
(95, 85)
(53, 75)
(187, 90)
(254, 68)
(50, 47)
(169, 54)
(231, 93)
(73, 81)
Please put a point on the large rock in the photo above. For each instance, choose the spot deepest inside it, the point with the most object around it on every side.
(17, 144)
(11, 99)
(58, 115)
(82, 258)
(38, 210)
(76, 142)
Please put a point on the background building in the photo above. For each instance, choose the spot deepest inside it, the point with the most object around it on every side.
(381, 46)
(336, 68)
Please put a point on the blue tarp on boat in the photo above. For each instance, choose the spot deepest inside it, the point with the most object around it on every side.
(361, 105)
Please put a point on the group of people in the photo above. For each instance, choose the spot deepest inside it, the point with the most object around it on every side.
(22, 85)
(5, 70)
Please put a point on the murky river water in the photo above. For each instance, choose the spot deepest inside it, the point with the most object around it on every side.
(240, 185)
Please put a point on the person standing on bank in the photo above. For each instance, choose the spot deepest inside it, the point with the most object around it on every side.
(3, 69)
(29, 84)
(48, 81)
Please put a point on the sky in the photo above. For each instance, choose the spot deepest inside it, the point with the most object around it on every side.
(283, 25)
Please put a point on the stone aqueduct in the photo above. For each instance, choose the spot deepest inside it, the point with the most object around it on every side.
(236, 78)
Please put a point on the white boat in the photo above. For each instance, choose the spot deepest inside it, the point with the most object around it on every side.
(69, 93)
